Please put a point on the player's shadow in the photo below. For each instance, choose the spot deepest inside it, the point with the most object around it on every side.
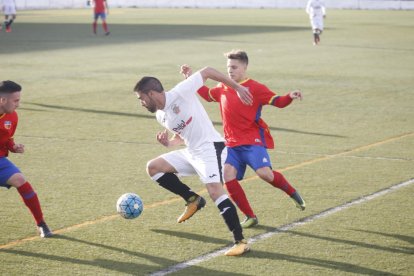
(191, 236)
(151, 117)
(87, 110)
(111, 264)
(315, 262)
(408, 239)
(355, 243)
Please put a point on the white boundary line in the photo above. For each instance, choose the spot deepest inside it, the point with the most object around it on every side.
(284, 228)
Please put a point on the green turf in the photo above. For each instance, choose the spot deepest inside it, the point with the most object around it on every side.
(87, 141)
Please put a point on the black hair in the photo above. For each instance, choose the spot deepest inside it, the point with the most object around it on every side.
(9, 87)
(147, 84)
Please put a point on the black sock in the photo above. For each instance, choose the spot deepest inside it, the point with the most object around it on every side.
(229, 213)
(172, 183)
(9, 23)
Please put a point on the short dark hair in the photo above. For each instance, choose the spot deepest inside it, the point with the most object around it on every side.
(9, 87)
(147, 84)
(239, 55)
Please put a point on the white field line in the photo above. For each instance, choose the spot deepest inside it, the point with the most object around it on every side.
(284, 228)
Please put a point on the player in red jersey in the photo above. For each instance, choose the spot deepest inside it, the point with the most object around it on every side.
(10, 175)
(247, 135)
(100, 10)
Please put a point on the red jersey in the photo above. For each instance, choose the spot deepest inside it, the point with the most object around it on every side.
(8, 124)
(242, 123)
(99, 6)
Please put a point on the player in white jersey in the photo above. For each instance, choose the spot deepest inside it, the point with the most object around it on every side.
(317, 12)
(9, 10)
(181, 112)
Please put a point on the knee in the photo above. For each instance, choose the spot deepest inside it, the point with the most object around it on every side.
(229, 173)
(16, 180)
(215, 190)
(265, 174)
(152, 167)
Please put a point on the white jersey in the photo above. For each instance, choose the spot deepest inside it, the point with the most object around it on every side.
(8, 3)
(184, 114)
(315, 8)
(9, 7)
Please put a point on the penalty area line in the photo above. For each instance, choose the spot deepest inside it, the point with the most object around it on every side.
(284, 228)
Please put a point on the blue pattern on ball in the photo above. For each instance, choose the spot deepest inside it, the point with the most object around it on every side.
(129, 206)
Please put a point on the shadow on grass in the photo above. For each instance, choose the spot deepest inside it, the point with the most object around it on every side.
(314, 262)
(191, 236)
(152, 117)
(354, 243)
(408, 239)
(109, 264)
(43, 37)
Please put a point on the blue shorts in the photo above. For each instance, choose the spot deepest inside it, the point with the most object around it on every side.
(254, 156)
(102, 15)
(7, 169)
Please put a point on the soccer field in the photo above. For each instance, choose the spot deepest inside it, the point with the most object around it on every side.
(348, 147)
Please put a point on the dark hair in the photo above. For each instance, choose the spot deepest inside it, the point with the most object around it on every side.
(9, 87)
(239, 55)
(147, 84)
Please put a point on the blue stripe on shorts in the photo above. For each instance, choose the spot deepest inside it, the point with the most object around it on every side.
(7, 169)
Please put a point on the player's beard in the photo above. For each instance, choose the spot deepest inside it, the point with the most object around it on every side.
(151, 107)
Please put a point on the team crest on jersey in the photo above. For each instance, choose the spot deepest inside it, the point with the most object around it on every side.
(176, 109)
(7, 124)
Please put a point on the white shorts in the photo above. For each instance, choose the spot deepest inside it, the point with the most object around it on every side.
(9, 10)
(317, 22)
(207, 162)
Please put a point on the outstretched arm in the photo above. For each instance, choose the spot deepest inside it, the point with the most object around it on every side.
(243, 92)
(287, 99)
(186, 71)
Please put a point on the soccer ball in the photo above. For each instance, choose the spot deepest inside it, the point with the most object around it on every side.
(129, 206)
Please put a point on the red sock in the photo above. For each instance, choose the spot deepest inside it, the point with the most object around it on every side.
(94, 27)
(29, 197)
(237, 194)
(105, 27)
(279, 181)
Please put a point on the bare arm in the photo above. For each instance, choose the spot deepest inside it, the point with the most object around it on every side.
(243, 92)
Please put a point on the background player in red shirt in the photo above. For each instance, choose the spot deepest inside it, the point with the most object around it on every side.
(100, 10)
(247, 135)
(10, 175)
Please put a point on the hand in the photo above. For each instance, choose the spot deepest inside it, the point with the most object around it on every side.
(18, 148)
(162, 138)
(186, 70)
(244, 95)
(297, 94)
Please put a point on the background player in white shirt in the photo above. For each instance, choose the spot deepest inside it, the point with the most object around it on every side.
(317, 12)
(9, 10)
(181, 112)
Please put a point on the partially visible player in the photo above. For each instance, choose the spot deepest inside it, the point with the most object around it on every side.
(317, 12)
(180, 111)
(247, 135)
(101, 10)
(9, 10)
(10, 175)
